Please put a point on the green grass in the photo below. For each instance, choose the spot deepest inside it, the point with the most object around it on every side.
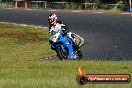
(6, 5)
(23, 65)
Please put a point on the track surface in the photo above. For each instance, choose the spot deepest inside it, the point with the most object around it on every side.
(107, 36)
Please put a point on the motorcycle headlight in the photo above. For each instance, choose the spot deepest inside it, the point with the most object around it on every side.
(53, 36)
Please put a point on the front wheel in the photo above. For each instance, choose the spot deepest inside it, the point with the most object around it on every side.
(60, 53)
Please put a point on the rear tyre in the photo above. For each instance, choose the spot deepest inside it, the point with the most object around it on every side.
(79, 53)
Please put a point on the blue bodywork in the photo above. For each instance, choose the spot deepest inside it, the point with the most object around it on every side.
(64, 41)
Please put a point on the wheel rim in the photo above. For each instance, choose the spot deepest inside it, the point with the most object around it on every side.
(64, 54)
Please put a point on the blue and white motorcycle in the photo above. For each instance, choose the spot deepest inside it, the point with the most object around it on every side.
(63, 45)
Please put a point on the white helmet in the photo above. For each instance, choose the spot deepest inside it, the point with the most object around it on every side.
(52, 18)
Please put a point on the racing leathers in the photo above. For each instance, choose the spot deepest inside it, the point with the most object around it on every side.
(60, 26)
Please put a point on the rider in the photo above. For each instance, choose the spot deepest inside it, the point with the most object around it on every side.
(60, 26)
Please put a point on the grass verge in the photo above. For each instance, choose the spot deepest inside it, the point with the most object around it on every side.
(23, 64)
(6, 5)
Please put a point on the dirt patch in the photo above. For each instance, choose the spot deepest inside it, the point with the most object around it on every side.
(5, 25)
(24, 37)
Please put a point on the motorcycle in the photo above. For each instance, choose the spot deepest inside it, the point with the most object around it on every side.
(64, 47)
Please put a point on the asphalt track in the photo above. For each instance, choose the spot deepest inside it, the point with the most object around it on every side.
(107, 36)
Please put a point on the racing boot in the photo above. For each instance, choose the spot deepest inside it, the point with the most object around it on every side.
(76, 46)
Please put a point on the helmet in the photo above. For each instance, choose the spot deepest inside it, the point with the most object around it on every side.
(52, 18)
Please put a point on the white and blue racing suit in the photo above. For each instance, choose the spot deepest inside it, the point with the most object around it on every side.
(60, 26)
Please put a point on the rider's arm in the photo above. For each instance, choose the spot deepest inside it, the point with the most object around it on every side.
(50, 29)
(64, 27)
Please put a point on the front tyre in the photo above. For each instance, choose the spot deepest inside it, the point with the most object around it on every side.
(62, 55)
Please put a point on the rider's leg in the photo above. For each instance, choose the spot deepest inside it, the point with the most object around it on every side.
(72, 36)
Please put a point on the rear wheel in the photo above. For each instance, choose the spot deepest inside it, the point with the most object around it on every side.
(79, 54)
(60, 53)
